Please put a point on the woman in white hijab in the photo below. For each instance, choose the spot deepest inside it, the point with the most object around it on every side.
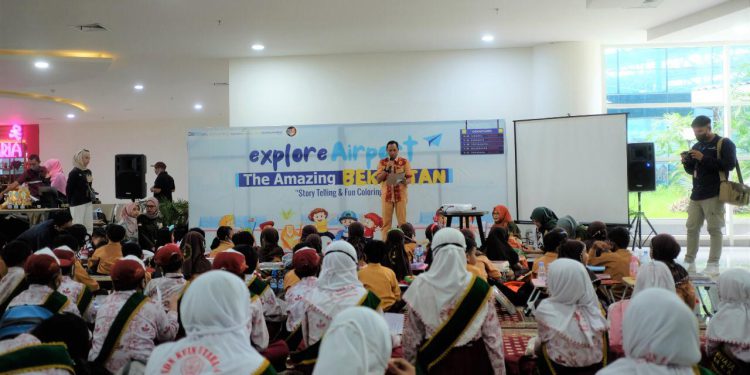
(338, 288)
(654, 274)
(358, 342)
(728, 334)
(660, 337)
(571, 322)
(437, 296)
(79, 192)
(214, 312)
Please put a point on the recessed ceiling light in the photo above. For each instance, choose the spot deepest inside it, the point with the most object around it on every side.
(198, 106)
(258, 47)
(71, 115)
(138, 87)
(41, 64)
(488, 38)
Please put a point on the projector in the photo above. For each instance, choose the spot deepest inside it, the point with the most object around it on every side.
(453, 208)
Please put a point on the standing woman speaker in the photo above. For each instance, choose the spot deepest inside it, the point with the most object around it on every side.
(79, 192)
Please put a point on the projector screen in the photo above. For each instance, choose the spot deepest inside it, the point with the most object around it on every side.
(575, 166)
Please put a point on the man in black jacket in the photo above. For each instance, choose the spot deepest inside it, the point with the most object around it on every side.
(704, 163)
(41, 235)
(164, 184)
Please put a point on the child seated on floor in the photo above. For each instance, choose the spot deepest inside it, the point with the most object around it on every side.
(378, 279)
(613, 254)
(728, 334)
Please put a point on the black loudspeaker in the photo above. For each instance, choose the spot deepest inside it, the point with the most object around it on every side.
(641, 167)
(130, 176)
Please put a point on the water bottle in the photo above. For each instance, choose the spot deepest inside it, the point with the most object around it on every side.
(274, 281)
(541, 272)
(634, 266)
(419, 254)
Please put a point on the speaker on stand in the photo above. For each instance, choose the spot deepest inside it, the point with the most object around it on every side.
(130, 176)
(641, 177)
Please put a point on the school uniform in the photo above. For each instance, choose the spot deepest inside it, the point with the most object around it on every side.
(381, 281)
(295, 305)
(223, 245)
(616, 264)
(162, 289)
(106, 255)
(26, 354)
(728, 333)
(12, 282)
(80, 295)
(37, 295)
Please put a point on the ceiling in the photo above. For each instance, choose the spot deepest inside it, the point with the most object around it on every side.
(179, 49)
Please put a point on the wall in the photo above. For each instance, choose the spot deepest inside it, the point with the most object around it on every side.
(164, 140)
(388, 87)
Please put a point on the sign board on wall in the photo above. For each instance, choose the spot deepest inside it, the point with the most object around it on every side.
(311, 174)
(19, 141)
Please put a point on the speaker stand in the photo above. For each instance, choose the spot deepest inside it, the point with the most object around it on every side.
(636, 223)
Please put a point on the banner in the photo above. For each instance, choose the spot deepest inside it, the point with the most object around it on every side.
(325, 174)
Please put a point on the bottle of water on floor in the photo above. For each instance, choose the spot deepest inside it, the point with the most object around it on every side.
(633, 266)
(541, 272)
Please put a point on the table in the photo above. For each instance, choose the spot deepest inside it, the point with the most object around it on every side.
(629, 282)
(539, 286)
(710, 287)
(35, 215)
(464, 217)
(105, 281)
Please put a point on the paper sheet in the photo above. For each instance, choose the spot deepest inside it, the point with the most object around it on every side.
(395, 322)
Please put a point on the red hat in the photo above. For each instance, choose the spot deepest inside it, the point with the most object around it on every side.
(231, 261)
(43, 264)
(265, 224)
(65, 255)
(167, 254)
(306, 257)
(128, 270)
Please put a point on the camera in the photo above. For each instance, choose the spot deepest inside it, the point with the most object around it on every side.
(686, 155)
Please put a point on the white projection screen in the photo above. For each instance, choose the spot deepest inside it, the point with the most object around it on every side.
(574, 165)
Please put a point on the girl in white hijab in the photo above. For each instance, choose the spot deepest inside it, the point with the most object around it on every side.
(730, 327)
(660, 337)
(571, 321)
(214, 312)
(433, 296)
(338, 288)
(654, 274)
(358, 342)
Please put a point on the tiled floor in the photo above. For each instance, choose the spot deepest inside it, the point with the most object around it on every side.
(731, 257)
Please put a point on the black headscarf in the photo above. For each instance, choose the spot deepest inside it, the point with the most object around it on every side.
(665, 248)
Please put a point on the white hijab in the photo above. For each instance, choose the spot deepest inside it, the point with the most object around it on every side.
(214, 311)
(571, 295)
(660, 336)
(654, 274)
(78, 159)
(446, 280)
(731, 324)
(338, 271)
(358, 340)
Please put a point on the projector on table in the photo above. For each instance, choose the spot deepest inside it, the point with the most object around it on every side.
(456, 208)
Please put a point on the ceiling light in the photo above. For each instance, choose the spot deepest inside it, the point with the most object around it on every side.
(258, 47)
(138, 87)
(71, 115)
(41, 65)
(198, 106)
(488, 38)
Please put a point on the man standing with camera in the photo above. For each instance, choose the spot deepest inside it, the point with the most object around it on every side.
(704, 163)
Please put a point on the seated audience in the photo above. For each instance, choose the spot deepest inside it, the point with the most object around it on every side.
(76, 292)
(475, 347)
(118, 341)
(105, 257)
(169, 261)
(498, 248)
(273, 308)
(596, 231)
(306, 263)
(502, 219)
(410, 240)
(337, 289)
(395, 258)
(44, 277)
(214, 311)
(163, 236)
(357, 342)
(234, 262)
(149, 223)
(571, 226)
(472, 264)
(613, 255)
(666, 249)
(358, 240)
(653, 274)
(243, 237)
(378, 279)
(544, 219)
(222, 241)
(270, 251)
(660, 336)
(58, 345)
(552, 241)
(193, 248)
(571, 327)
(76, 240)
(728, 334)
(576, 250)
(129, 220)
(14, 254)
